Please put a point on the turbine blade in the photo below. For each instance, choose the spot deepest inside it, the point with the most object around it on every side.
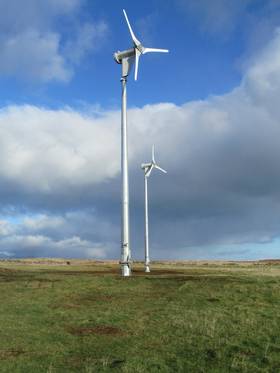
(153, 153)
(159, 168)
(149, 171)
(137, 55)
(148, 50)
(135, 40)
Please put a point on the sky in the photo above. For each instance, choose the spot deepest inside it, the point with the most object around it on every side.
(210, 106)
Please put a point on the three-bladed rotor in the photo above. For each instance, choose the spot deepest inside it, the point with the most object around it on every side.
(128, 57)
(148, 167)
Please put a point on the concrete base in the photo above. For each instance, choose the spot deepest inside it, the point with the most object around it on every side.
(126, 271)
(147, 269)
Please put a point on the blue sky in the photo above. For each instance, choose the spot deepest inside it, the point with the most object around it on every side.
(210, 106)
(203, 63)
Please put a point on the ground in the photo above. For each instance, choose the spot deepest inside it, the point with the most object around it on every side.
(81, 316)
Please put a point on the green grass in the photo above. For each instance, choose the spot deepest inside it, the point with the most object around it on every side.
(182, 317)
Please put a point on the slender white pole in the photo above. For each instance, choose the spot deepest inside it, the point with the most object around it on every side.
(125, 247)
(147, 259)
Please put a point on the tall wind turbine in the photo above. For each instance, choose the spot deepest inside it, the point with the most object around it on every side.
(148, 167)
(126, 59)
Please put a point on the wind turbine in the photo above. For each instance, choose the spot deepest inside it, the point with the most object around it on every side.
(126, 59)
(148, 167)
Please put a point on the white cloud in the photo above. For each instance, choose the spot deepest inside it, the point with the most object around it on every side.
(53, 151)
(88, 36)
(35, 48)
(34, 56)
(42, 246)
(5, 228)
(262, 80)
(6, 254)
(73, 234)
(42, 222)
(35, 14)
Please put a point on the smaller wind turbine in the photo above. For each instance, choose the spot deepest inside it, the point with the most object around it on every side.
(148, 167)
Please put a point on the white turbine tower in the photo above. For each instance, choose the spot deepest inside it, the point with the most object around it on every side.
(148, 167)
(126, 59)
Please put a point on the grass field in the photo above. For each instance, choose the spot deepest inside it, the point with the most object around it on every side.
(183, 317)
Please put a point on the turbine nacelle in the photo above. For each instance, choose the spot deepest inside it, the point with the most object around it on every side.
(128, 57)
(145, 165)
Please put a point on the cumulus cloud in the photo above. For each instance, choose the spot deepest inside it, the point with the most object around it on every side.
(52, 152)
(41, 246)
(87, 36)
(35, 48)
(32, 55)
(76, 234)
(221, 190)
(35, 14)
